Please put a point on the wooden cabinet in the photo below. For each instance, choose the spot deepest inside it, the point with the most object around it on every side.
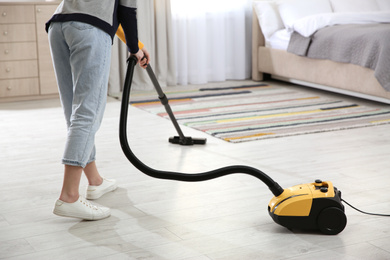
(47, 80)
(26, 70)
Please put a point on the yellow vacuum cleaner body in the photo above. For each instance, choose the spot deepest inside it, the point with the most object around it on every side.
(311, 206)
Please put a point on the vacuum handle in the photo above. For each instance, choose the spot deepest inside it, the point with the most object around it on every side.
(189, 177)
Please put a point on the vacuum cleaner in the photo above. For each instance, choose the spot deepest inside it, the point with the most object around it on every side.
(313, 206)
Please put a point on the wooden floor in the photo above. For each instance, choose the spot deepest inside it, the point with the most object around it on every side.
(225, 218)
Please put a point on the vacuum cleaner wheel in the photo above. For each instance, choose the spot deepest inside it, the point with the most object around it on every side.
(331, 221)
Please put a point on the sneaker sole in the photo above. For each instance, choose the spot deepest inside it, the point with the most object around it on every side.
(70, 215)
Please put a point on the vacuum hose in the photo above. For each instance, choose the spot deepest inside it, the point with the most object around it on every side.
(188, 177)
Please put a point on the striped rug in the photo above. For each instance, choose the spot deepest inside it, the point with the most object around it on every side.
(246, 113)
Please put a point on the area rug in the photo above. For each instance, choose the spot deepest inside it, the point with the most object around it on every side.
(260, 111)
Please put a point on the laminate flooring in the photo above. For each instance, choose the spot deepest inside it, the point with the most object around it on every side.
(225, 218)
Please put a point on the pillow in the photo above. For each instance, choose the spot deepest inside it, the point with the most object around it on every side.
(354, 5)
(269, 18)
(292, 10)
(384, 5)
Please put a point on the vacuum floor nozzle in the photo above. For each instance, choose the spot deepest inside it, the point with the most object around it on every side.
(187, 140)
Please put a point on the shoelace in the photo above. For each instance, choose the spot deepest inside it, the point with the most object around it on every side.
(88, 203)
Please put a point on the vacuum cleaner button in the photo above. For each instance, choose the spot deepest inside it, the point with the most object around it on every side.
(318, 181)
(324, 189)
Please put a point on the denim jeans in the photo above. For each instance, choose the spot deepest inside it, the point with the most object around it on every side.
(81, 56)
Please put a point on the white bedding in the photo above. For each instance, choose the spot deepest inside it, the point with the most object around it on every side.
(279, 40)
(279, 18)
(310, 24)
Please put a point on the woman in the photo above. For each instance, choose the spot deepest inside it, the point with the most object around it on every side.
(80, 36)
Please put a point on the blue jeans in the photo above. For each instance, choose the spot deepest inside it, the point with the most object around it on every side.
(81, 56)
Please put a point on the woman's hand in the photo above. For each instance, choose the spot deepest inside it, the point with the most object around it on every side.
(139, 55)
(146, 58)
(143, 57)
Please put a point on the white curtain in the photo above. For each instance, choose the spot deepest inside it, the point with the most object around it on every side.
(190, 42)
(212, 40)
(118, 68)
(155, 31)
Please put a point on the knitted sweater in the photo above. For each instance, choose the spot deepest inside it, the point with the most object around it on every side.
(104, 14)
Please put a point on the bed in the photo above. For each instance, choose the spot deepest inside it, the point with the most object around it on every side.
(292, 38)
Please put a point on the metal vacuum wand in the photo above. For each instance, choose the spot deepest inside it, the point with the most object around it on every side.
(181, 139)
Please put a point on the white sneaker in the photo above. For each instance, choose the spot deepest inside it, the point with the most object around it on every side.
(82, 208)
(95, 192)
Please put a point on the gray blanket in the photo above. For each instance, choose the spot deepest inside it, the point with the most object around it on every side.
(366, 45)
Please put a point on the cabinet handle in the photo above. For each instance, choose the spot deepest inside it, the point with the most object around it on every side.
(9, 88)
(6, 51)
(39, 10)
(5, 33)
(4, 14)
(8, 70)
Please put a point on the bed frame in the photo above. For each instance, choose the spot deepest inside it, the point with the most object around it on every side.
(328, 75)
